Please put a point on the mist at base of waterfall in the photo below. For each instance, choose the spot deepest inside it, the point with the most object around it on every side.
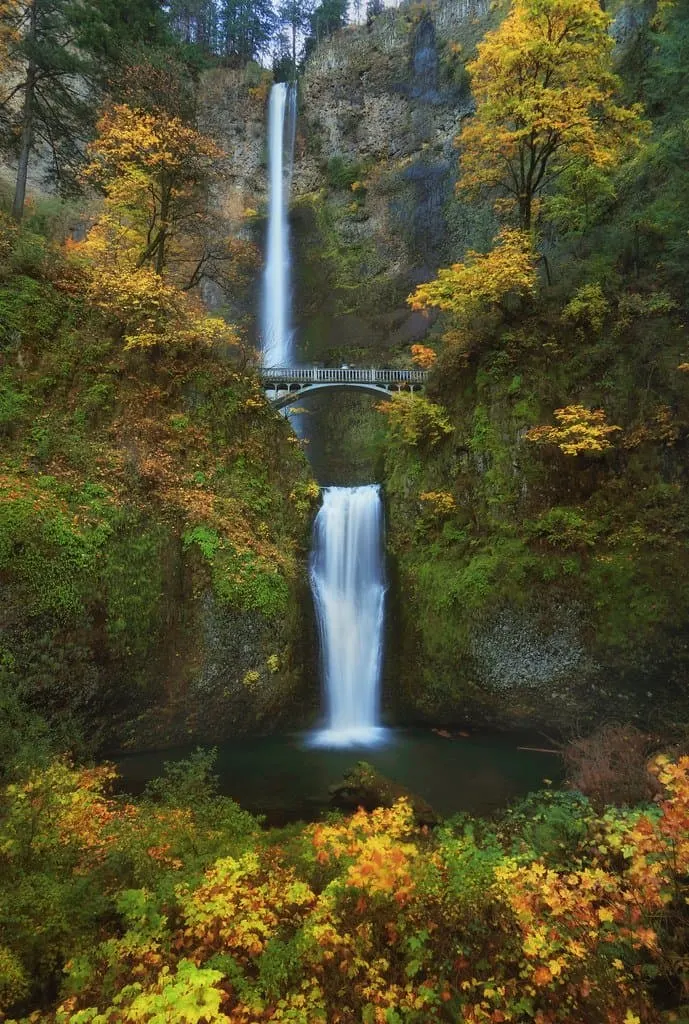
(374, 736)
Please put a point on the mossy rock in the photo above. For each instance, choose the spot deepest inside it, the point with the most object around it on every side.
(363, 786)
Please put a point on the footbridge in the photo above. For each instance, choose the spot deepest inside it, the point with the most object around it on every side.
(284, 384)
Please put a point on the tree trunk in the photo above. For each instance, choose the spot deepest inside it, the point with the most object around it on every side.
(525, 212)
(27, 124)
(162, 234)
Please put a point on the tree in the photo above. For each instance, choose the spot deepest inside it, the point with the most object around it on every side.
(294, 16)
(423, 357)
(481, 283)
(155, 80)
(110, 29)
(58, 55)
(328, 17)
(544, 90)
(194, 22)
(42, 100)
(579, 431)
(373, 9)
(152, 168)
(245, 28)
(8, 30)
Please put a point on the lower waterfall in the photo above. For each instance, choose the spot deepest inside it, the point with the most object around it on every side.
(348, 583)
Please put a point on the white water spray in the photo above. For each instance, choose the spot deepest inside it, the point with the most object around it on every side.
(276, 326)
(348, 583)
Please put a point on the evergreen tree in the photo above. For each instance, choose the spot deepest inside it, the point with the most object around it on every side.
(59, 55)
(295, 17)
(246, 28)
(373, 9)
(195, 22)
(328, 17)
(109, 29)
(43, 101)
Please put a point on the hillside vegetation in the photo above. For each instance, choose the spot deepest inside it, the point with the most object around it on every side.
(538, 495)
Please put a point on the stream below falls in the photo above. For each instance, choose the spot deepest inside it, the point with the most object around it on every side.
(286, 779)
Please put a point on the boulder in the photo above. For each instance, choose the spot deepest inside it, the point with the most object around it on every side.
(363, 786)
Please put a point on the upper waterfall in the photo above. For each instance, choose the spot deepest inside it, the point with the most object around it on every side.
(276, 299)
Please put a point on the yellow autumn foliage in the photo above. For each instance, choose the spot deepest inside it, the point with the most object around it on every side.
(545, 98)
(579, 431)
(483, 280)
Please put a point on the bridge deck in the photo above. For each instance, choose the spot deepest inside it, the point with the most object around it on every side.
(304, 375)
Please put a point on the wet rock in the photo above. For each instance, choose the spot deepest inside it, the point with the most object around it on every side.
(363, 786)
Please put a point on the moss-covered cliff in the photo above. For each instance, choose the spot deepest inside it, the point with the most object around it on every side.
(154, 514)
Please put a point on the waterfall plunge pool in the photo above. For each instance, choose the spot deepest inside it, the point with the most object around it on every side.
(286, 779)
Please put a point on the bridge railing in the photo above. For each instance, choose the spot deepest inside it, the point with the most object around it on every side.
(340, 375)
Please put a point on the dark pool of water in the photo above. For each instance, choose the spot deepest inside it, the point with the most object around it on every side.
(286, 780)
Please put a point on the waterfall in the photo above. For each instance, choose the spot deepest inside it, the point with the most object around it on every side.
(276, 328)
(348, 583)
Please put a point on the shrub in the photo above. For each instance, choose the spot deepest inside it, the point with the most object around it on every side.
(413, 420)
(589, 307)
(609, 767)
(565, 528)
(12, 405)
(342, 175)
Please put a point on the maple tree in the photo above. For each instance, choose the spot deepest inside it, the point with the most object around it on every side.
(413, 420)
(579, 431)
(482, 281)
(148, 248)
(152, 167)
(545, 99)
(152, 311)
(423, 356)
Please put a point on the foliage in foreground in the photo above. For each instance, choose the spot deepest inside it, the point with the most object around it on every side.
(554, 914)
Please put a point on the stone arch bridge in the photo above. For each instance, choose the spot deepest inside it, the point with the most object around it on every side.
(284, 384)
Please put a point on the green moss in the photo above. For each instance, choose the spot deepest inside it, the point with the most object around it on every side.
(341, 174)
(13, 404)
(566, 528)
(43, 553)
(134, 585)
(30, 311)
(245, 581)
(207, 540)
(339, 271)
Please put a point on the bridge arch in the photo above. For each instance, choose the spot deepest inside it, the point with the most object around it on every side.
(285, 384)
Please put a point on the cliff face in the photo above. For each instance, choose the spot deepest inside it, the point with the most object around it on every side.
(232, 110)
(536, 589)
(374, 175)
